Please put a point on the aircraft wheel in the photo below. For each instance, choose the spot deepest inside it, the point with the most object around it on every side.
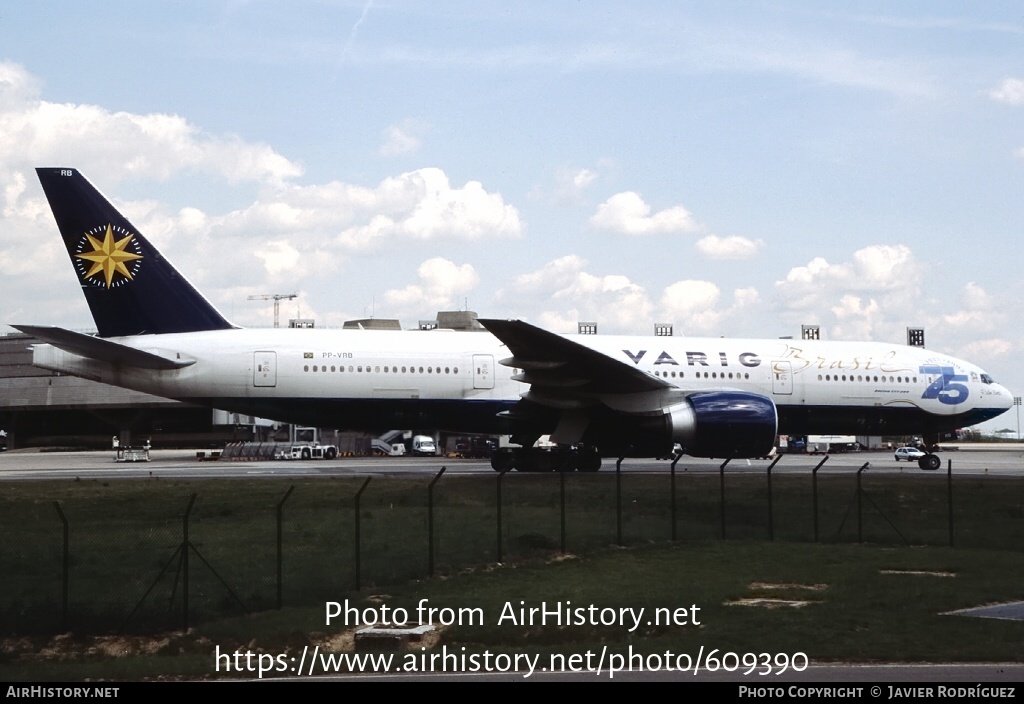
(930, 462)
(525, 461)
(588, 461)
(564, 461)
(502, 461)
(546, 462)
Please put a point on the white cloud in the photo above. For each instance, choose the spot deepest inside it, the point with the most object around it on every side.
(291, 236)
(714, 247)
(403, 138)
(442, 282)
(688, 297)
(18, 88)
(279, 256)
(351, 219)
(616, 302)
(547, 281)
(975, 297)
(874, 296)
(626, 213)
(874, 268)
(987, 349)
(564, 322)
(423, 205)
(979, 313)
(855, 318)
(571, 183)
(1010, 91)
(34, 132)
(696, 307)
(691, 305)
(746, 297)
(583, 178)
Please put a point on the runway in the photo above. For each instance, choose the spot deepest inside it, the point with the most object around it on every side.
(30, 465)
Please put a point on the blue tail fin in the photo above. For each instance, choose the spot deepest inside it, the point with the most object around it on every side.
(131, 289)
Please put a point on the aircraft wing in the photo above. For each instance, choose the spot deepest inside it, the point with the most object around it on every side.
(101, 349)
(585, 395)
(552, 362)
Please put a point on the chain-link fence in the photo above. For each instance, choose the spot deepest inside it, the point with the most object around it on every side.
(155, 555)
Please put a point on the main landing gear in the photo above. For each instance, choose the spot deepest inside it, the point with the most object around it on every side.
(531, 459)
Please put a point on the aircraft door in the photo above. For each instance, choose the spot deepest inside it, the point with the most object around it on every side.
(483, 371)
(782, 378)
(264, 369)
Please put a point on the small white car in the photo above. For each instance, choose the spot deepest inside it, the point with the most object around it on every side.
(910, 454)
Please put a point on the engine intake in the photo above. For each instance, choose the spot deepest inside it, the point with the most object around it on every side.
(724, 424)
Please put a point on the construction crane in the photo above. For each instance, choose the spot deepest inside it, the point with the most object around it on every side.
(276, 298)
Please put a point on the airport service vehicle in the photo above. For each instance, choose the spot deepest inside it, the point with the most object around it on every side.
(910, 454)
(598, 395)
(423, 445)
(306, 452)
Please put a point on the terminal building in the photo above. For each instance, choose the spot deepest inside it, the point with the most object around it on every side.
(40, 408)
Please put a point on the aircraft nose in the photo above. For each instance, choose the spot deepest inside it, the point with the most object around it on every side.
(1001, 399)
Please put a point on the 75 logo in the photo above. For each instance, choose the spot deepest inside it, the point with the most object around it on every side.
(945, 387)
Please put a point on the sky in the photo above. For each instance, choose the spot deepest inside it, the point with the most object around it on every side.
(735, 169)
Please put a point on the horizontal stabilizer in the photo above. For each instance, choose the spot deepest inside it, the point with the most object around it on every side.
(100, 349)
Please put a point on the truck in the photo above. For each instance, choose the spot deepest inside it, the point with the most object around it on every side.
(472, 446)
(819, 444)
(423, 445)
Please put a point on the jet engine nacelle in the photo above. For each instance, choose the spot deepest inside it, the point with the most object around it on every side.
(724, 424)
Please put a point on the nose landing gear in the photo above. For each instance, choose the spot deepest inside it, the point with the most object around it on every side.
(930, 461)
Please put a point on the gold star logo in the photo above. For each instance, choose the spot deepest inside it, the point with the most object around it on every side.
(108, 257)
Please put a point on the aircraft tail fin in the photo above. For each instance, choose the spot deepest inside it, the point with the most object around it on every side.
(131, 289)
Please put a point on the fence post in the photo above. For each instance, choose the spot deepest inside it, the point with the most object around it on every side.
(186, 544)
(860, 519)
(618, 500)
(501, 475)
(65, 569)
(949, 497)
(280, 548)
(771, 512)
(721, 503)
(672, 492)
(814, 494)
(430, 522)
(561, 482)
(357, 546)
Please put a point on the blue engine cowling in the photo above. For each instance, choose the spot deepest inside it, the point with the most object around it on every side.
(724, 424)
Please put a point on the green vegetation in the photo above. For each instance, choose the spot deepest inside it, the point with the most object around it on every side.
(883, 600)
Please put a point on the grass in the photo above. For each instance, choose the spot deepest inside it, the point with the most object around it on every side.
(858, 611)
(879, 601)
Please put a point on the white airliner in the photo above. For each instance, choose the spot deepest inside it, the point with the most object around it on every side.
(602, 395)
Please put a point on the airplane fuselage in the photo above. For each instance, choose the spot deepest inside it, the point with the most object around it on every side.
(445, 380)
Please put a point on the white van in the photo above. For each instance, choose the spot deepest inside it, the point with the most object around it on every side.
(423, 445)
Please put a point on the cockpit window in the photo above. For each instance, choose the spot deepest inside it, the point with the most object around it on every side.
(986, 379)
